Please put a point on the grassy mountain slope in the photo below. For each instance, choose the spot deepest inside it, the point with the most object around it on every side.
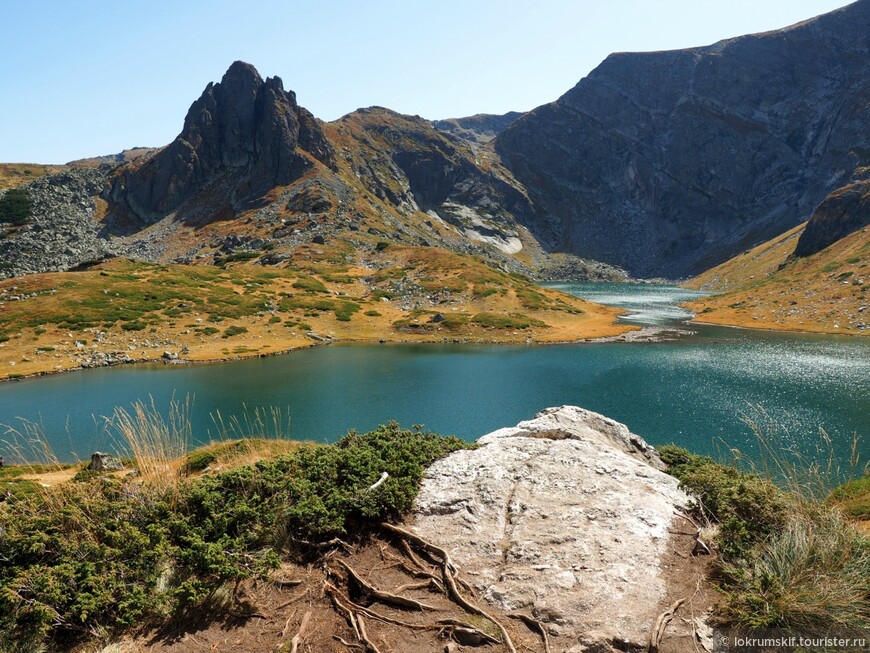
(769, 288)
(123, 310)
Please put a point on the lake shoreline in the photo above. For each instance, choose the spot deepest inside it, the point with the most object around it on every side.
(630, 329)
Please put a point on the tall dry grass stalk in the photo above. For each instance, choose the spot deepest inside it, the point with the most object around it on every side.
(155, 441)
(809, 474)
(27, 445)
(811, 575)
(266, 423)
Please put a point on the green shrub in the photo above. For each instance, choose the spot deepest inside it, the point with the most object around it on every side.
(788, 560)
(136, 325)
(853, 498)
(238, 257)
(747, 507)
(812, 574)
(15, 206)
(495, 321)
(107, 554)
(234, 331)
(309, 284)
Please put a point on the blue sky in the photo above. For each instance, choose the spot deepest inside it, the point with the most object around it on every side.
(90, 77)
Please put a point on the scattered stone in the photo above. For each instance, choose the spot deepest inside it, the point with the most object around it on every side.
(103, 462)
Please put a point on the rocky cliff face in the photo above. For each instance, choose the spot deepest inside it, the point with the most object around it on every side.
(241, 138)
(566, 517)
(669, 162)
(843, 212)
(415, 168)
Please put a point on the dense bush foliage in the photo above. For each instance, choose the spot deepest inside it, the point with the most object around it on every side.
(746, 507)
(106, 554)
(788, 561)
(15, 206)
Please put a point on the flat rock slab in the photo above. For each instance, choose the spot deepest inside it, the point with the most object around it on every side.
(565, 517)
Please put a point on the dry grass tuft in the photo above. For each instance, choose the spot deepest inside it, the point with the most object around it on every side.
(156, 442)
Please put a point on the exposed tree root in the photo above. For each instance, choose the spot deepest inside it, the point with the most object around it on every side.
(342, 609)
(346, 643)
(448, 569)
(465, 634)
(382, 596)
(535, 625)
(364, 636)
(658, 631)
(700, 545)
(423, 544)
(297, 638)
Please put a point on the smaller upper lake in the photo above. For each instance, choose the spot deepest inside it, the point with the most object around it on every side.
(647, 304)
(694, 391)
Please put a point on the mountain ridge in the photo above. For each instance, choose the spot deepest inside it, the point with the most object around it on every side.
(661, 163)
(669, 162)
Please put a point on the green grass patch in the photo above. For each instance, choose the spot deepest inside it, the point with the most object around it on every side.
(310, 284)
(853, 498)
(238, 257)
(134, 326)
(788, 560)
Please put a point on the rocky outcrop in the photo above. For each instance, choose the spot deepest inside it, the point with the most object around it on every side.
(667, 163)
(241, 138)
(62, 232)
(406, 162)
(567, 517)
(843, 212)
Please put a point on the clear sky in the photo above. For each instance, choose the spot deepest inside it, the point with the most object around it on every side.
(94, 77)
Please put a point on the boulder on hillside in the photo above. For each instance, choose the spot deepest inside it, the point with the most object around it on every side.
(103, 462)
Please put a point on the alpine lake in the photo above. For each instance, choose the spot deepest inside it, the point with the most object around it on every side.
(697, 390)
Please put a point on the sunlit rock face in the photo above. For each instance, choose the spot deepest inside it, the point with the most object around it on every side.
(242, 137)
(565, 516)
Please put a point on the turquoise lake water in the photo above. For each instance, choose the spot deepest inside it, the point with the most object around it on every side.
(693, 391)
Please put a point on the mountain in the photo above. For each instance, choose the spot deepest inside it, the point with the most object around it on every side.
(241, 138)
(124, 156)
(661, 163)
(814, 277)
(667, 163)
(252, 171)
(481, 127)
(843, 212)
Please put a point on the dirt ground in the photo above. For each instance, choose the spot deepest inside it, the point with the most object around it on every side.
(323, 608)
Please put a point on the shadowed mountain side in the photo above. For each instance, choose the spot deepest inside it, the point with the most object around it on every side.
(667, 163)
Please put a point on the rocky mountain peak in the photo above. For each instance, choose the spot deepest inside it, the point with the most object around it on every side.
(243, 135)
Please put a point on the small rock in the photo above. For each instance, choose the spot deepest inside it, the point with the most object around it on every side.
(103, 462)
